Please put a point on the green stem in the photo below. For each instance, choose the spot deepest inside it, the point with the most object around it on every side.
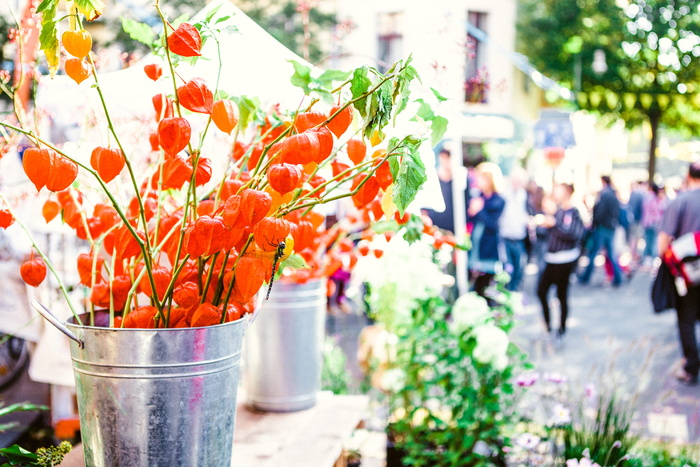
(64, 291)
(209, 276)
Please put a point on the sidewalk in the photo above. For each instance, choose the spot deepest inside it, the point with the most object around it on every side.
(614, 331)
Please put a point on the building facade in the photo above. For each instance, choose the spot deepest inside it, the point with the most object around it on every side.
(464, 49)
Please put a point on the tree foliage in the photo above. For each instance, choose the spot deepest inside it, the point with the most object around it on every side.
(651, 49)
(284, 20)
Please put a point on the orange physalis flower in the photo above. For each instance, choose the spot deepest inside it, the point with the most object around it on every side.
(196, 96)
(205, 236)
(153, 71)
(284, 178)
(223, 115)
(206, 314)
(367, 192)
(47, 169)
(6, 218)
(107, 162)
(33, 272)
(143, 317)
(270, 232)
(357, 150)
(308, 120)
(340, 122)
(174, 134)
(185, 41)
(50, 210)
(163, 106)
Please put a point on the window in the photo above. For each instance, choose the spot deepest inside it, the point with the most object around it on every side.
(389, 39)
(472, 154)
(476, 79)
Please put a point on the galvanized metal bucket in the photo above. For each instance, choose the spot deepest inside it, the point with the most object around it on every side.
(157, 397)
(283, 348)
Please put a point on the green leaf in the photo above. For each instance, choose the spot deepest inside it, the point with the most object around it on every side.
(411, 176)
(222, 19)
(46, 5)
(48, 38)
(140, 32)
(402, 86)
(438, 129)
(329, 76)
(438, 96)
(295, 262)
(359, 85)
(425, 111)
(212, 13)
(379, 109)
(92, 9)
(326, 96)
(247, 108)
(301, 77)
(16, 454)
(21, 407)
(180, 19)
(394, 166)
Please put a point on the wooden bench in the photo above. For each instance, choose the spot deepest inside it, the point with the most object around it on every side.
(308, 438)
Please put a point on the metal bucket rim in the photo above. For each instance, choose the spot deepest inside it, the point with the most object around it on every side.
(69, 322)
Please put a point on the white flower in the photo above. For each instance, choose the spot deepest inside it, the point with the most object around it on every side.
(491, 346)
(403, 275)
(584, 462)
(562, 415)
(470, 310)
(393, 380)
(528, 441)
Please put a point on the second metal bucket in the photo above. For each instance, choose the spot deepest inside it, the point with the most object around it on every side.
(157, 397)
(283, 348)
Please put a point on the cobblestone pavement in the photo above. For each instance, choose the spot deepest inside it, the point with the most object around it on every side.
(613, 334)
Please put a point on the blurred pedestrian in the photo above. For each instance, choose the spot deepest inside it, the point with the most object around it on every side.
(653, 210)
(484, 212)
(566, 230)
(537, 233)
(682, 216)
(606, 214)
(634, 217)
(514, 225)
(444, 219)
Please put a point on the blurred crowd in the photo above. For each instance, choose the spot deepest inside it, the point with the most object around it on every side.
(559, 235)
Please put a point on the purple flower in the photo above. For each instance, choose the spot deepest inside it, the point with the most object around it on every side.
(526, 380)
(556, 378)
(590, 391)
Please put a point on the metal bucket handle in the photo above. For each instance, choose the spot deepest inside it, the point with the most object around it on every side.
(51, 318)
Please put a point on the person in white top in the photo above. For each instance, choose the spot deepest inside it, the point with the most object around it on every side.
(513, 226)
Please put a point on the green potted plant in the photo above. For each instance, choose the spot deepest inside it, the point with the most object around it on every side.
(447, 370)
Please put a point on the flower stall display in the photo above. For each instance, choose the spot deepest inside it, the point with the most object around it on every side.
(181, 235)
(446, 370)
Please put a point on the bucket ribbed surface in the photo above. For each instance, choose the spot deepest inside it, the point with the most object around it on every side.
(157, 397)
(283, 348)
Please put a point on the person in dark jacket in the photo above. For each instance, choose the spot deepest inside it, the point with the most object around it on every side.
(682, 217)
(606, 213)
(484, 212)
(563, 250)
